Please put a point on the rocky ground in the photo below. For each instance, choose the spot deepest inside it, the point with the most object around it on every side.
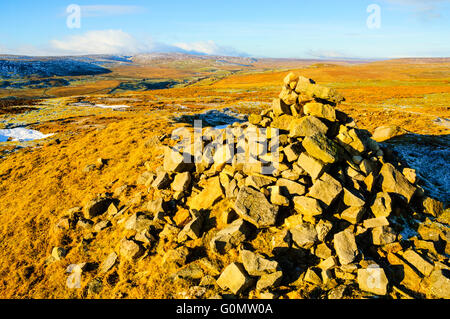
(295, 203)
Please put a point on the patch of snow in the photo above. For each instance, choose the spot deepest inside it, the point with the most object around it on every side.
(21, 134)
(429, 156)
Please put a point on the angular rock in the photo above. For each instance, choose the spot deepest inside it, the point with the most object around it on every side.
(345, 246)
(96, 207)
(322, 148)
(58, 253)
(211, 193)
(192, 230)
(351, 140)
(181, 182)
(353, 199)
(235, 279)
(307, 206)
(382, 206)
(162, 180)
(320, 110)
(108, 263)
(176, 162)
(312, 277)
(383, 133)
(383, 235)
(231, 236)
(440, 284)
(304, 236)
(323, 227)
(312, 166)
(376, 222)
(292, 152)
(258, 181)
(253, 206)
(308, 87)
(272, 280)
(175, 257)
(276, 197)
(292, 188)
(326, 189)
(353, 214)
(422, 265)
(373, 279)
(395, 182)
(433, 207)
(130, 250)
(279, 107)
(306, 126)
(256, 265)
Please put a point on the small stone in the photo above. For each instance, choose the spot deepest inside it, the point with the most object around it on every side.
(376, 222)
(312, 166)
(276, 197)
(419, 262)
(312, 277)
(433, 207)
(292, 152)
(290, 187)
(345, 246)
(323, 227)
(395, 182)
(373, 279)
(322, 251)
(231, 236)
(235, 279)
(181, 182)
(96, 207)
(307, 206)
(383, 133)
(440, 284)
(269, 280)
(322, 148)
(320, 110)
(382, 206)
(145, 178)
(353, 199)
(161, 181)
(102, 225)
(58, 253)
(326, 189)
(279, 107)
(258, 181)
(256, 265)
(304, 236)
(176, 162)
(353, 214)
(181, 217)
(109, 262)
(253, 206)
(383, 235)
(192, 230)
(306, 126)
(175, 257)
(328, 263)
(130, 250)
(211, 193)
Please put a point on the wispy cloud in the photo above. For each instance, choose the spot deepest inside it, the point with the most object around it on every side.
(422, 9)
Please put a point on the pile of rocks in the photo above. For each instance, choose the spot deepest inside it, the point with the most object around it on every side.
(296, 202)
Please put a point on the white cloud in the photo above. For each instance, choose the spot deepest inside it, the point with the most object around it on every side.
(209, 48)
(101, 42)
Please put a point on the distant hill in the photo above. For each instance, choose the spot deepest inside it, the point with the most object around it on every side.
(18, 67)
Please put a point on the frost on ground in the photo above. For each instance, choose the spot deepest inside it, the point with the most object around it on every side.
(429, 156)
(215, 118)
(21, 134)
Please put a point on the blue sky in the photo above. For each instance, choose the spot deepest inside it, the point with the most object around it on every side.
(291, 29)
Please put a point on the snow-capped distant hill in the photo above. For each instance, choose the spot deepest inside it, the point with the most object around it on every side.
(19, 67)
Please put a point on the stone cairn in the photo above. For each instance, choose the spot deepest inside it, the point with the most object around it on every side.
(324, 211)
